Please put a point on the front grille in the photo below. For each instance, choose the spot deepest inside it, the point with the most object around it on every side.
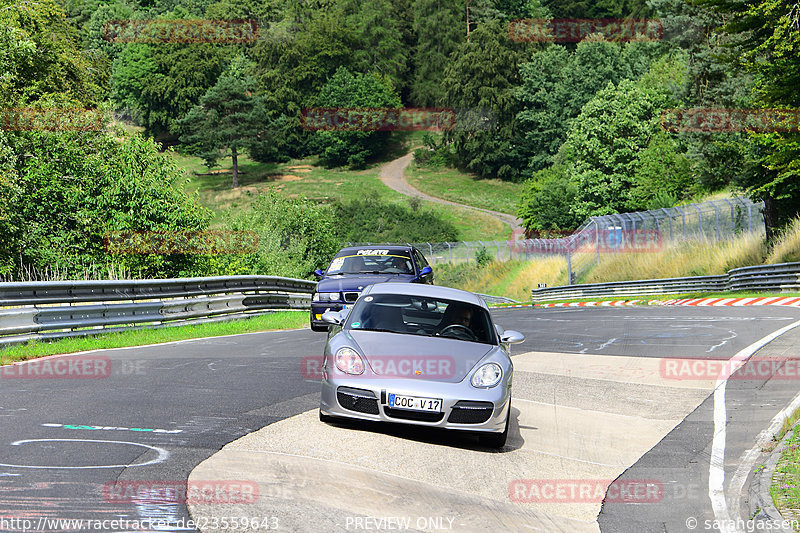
(359, 400)
(351, 296)
(469, 412)
(421, 416)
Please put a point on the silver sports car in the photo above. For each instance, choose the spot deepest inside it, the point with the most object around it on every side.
(419, 354)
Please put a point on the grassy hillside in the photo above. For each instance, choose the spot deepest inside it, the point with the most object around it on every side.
(303, 177)
(462, 188)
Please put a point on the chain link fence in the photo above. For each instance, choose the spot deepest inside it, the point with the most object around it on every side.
(713, 220)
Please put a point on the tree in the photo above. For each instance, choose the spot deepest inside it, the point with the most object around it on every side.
(346, 90)
(72, 189)
(482, 77)
(230, 117)
(295, 236)
(766, 42)
(603, 147)
(439, 26)
(40, 57)
(546, 200)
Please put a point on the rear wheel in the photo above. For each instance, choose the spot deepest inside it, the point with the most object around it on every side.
(315, 327)
(496, 440)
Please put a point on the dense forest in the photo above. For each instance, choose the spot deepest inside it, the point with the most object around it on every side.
(580, 123)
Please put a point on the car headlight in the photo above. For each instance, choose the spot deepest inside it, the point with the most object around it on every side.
(349, 362)
(325, 296)
(487, 376)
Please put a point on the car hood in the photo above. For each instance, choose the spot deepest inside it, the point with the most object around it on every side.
(435, 358)
(358, 283)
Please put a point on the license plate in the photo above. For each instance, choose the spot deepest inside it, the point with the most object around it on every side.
(415, 403)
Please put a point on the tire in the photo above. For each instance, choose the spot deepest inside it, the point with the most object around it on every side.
(496, 440)
(320, 329)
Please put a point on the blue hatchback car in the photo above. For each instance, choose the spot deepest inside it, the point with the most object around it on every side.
(356, 267)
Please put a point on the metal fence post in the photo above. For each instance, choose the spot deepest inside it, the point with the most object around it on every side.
(716, 221)
(700, 219)
(467, 245)
(449, 252)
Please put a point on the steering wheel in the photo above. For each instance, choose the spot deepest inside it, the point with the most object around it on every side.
(459, 328)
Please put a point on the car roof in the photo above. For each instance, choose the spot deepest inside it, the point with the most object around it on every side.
(431, 291)
(390, 247)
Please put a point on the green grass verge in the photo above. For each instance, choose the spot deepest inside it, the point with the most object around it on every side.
(456, 186)
(141, 337)
(785, 484)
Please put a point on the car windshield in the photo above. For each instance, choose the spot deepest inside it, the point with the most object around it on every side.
(420, 315)
(372, 262)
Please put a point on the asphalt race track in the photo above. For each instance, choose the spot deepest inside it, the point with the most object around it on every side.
(153, 414)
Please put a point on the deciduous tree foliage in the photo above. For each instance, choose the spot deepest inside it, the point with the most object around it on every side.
(346, 90)
(68, 190)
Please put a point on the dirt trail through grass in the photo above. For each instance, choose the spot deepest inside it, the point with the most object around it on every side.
(393, 175)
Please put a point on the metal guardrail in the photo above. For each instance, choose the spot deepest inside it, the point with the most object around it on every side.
(784, 277)
(55, 309)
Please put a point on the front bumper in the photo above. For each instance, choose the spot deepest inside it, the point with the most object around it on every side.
(317, 308)
(463, 407)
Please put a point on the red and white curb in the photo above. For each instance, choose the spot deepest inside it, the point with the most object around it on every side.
(771, 300)
(768, 300)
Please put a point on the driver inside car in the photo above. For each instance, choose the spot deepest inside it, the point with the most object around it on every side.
(456, 315)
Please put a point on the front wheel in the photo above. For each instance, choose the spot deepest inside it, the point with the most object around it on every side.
(496, 440)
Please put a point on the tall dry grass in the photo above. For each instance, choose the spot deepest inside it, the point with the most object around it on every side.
(512, 279)
(690, 258)
(786, 248)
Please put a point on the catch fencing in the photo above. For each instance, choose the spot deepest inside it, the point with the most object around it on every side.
(713, 221)
(56, 309)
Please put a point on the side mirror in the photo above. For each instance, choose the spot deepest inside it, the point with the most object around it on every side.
(426, 271)
(319, 273)
(509, 336)
(332, 317)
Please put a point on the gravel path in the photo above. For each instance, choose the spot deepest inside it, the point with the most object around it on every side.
(393, 175)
